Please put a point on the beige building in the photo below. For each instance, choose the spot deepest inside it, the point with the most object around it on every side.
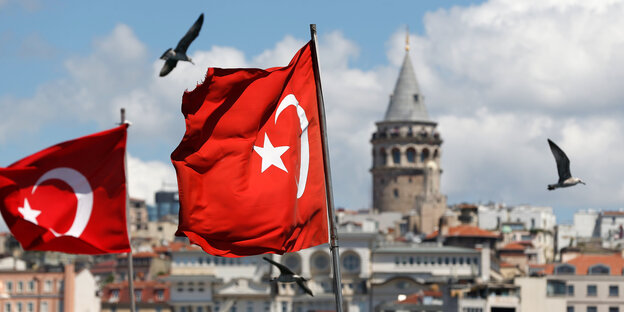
(587, 283)
(48, 291)
(406, 157)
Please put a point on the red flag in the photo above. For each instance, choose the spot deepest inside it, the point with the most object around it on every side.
(70, 197)
(250, 165)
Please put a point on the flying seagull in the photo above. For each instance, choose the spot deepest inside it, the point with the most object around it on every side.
(287, 276)
(172, 56)
(563, 168)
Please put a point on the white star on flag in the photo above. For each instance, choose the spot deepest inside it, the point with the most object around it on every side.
(28, 213)
(271, 156)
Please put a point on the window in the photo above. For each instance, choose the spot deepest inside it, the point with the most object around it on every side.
(461, 260)
(30, 307)
(9, 286)
(160, 294)
(383, 157)
(565, 269)
(320, 261)
(570, 309)
(395, 192)
(137, 294)
(396, 156)
(250, 306)
(114, 294)
(47, 286)
(556, 288)
(591, 309)
(599, 269)
(591, 291)
(292, 261)
(614, 290)
(614, 309)
(351, 262)
(570, 290)
(7, 307)
(424, 155)
(31, 286)
(411, 155)
(19, 307)
(20, 286)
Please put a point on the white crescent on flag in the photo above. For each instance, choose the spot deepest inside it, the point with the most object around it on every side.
(305, 146)
(83, 192)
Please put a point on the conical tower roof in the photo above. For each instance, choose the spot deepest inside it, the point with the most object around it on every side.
(406, 102)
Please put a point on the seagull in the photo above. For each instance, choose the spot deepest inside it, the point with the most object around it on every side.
(172, 56)
(287, 276)
(563, 168)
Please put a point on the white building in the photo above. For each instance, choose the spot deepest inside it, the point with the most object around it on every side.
(492, 216)
(586, 223)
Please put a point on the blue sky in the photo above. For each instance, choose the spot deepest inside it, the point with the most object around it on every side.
(499, 76)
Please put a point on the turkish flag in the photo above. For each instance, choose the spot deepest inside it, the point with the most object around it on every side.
(70, 197)
(250, 166)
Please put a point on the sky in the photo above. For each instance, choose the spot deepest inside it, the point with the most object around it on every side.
(499, 77)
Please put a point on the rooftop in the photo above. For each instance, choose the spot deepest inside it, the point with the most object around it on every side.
(465, 231)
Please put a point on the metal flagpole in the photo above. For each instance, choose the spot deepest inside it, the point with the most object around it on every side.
(333, 232)
(130, 264)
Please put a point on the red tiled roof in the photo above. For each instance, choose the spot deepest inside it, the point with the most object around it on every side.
(507, 265)
(513, 246)
(582, 263)
(465, 231)
(103, 267)
(432, 293)
(149, 291)
(417, 297)
(613, 213)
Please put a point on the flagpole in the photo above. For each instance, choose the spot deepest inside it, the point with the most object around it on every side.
(130, 264)
(333, 232)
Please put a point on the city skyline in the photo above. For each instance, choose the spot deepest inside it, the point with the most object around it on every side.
(499, 77)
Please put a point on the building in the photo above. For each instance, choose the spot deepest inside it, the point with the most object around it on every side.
(492, 216)
(137, 214)
(146, 266)
(149, 296)
(534, 296)
(491, 297)
(167, 204)
(406, 156)
(588, 282)
(61, 289)
(464, 236)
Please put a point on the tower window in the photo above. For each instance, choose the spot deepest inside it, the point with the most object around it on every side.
(415, 97)
(424, 155)
(396, 193)
(383, 158)
(411, 155)
(396, 156)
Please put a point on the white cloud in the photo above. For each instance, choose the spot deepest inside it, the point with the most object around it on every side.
(147, 177)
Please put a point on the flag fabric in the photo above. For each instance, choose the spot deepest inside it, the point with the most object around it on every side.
(250, 166)
(70, 197)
